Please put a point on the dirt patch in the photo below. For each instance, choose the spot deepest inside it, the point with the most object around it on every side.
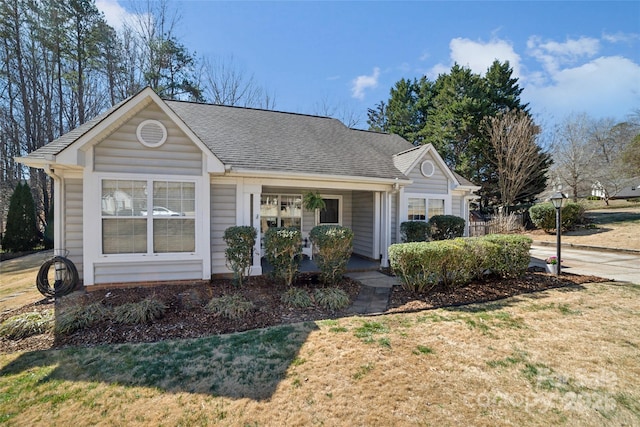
(186, 316)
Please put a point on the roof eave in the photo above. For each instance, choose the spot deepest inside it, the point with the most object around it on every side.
(317, 177)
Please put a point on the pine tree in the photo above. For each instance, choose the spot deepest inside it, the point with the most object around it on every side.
(21, 233)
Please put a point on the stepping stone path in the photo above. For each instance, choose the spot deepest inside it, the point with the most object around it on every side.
(374, 293)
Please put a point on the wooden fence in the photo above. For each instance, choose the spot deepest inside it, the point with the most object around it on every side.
(499, 224)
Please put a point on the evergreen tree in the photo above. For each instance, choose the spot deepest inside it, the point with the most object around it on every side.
(21, 233)
(48, 239)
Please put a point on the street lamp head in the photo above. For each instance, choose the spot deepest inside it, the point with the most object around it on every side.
(556, 199)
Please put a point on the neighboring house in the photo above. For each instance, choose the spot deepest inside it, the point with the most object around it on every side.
(202, 168)
(628, 192)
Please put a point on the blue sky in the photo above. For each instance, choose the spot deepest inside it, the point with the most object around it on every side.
(570, 57)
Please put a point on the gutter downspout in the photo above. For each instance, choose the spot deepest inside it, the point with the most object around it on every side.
(58, 220)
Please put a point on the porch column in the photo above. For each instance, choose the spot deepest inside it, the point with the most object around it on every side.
(248, 213)
(385, 235)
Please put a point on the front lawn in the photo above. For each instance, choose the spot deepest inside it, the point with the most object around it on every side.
(565, 356)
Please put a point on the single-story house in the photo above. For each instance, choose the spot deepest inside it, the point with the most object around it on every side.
(201, 168)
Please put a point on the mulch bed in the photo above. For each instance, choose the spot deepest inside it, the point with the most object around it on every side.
(186, 317)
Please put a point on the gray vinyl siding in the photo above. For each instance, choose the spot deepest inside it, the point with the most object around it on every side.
(73, 222)
(148, 271)
(223, 216)
(121, 151)
(456, 206)
(363, 223)
(438, 183)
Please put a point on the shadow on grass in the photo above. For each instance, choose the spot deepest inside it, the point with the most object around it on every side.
(242, 365)
(612, 217)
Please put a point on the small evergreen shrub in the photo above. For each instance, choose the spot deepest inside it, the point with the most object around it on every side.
(283, 246)
(331, 298)
(479, 252)
(543, 215)
(230, 306)
(332, 248)
(572, 215)
(137, 313)
(446, 227)
(21, 232)
(27, 324)
(415, 266)
(296, 297)
(414, 231)
(240, 241)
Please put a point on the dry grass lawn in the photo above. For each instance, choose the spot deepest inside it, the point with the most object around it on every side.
(561, 357)
(616, 227)
(18, 280)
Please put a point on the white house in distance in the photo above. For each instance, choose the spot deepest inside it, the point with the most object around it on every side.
(202, 168)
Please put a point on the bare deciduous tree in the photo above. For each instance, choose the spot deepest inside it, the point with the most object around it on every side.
(516, 154)
(226, 83)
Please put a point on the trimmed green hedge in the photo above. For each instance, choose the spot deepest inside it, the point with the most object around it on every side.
(543, 215)
(414, 231)
(420, 266)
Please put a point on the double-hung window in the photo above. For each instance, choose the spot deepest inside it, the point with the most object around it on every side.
(280, 210)
(423, 208)
(147, 216)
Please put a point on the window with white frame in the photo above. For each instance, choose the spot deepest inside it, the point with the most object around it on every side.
(280, 210)
(331, 213)
(423, 208)
(147, 216)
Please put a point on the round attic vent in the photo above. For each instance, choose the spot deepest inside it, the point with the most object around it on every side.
(151, 133)
(427, 168)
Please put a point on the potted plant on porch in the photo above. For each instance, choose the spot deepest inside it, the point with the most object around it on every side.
(312, 201)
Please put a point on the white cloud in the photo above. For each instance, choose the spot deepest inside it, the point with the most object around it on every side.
(553, 54)
(620, 37)
(604, 87)
(478, 56)
(362, 83)
(115, 14)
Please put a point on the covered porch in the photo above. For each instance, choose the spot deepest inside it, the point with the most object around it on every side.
(356, 264)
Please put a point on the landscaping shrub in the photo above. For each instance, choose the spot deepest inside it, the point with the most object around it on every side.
(421, 266)
(240, 241)
(283, 246)
(296, 297)
(415, 266)
(445, 227)
(331, 298)
(71, 319)
(230, 306)
(332, 248)
(543, 216)
(414, 231)
(136, 313)
(572, 215)
(513, 257)
(27, 324)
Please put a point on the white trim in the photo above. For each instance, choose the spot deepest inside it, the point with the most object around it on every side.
(340, 207)
(428, 148)
(158, 123)
(378, 224)
(92, 223)
(422, 168)
(404, 209)
(318, 180)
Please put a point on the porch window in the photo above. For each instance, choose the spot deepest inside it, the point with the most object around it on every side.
(146, 216)
(421, 208)
(331, 213)
(280, 210)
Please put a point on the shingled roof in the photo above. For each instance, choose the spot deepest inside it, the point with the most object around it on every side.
(247, 139)
(252, 139)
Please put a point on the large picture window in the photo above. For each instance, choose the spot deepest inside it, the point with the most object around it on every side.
(142, 216)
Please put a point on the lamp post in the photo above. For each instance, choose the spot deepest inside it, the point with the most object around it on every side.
(556, 199)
